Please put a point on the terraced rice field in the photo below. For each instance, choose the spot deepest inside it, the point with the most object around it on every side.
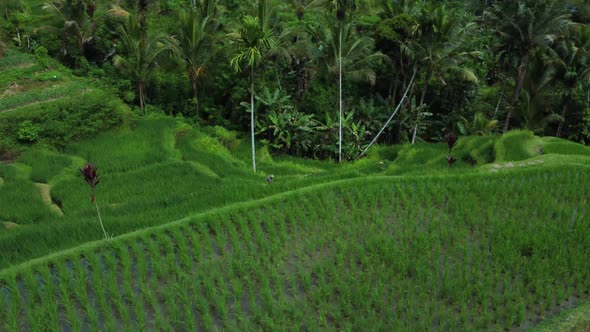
(500, 251)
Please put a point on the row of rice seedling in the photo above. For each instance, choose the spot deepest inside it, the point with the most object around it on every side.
(22, 203)
(45, 165)
(40, 95)
(14, 59)
(131, 196)
(466, 253)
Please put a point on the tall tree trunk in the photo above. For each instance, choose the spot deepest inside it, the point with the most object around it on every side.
(520, 73)
(562, 122)
(415, 132)
(393, 86)
(278, 78)
(498, 105)
(299, 69)
(194, 86)
(302, 77)
(340, 95)
(411, 84)
(142, 9)
(195, 93)
(140, 89)
(422, 97)
(252, 117)
(18, 36)
(63, 50)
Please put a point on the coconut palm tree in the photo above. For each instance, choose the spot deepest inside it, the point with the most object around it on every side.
(538, 99)
(438, 49)
(250, 43)
(197, 40)
(342, 9)
(139, 57)
(69, 19)
(522, 26)
(571, 58)
(340, 50)
(303, 6)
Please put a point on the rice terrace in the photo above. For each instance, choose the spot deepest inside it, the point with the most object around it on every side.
(302, 165)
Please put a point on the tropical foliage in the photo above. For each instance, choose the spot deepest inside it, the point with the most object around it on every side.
(481, 66)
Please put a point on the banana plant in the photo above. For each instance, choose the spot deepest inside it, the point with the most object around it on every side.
(289, 130)
(480, 125)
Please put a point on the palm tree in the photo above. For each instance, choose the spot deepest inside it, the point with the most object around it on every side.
(69, 19)
(250, 43)
(537, 98)
(140, 55)
(341, 7)
(395, 36)
(571, 58)
(522, 26)
(438, 48)
(300, 45)
(302, 6)
(197, 38)
(340, 49)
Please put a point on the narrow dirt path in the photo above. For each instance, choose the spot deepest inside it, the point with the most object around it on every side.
(45, 192)
(10, 225)
(33, 103)
(82, 92)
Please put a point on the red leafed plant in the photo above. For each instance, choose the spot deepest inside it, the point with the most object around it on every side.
(90, 175)
(451, 139)
(451, 160)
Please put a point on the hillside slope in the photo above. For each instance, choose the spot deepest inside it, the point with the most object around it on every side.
(42, 101)
(159, 170)
(202, 242)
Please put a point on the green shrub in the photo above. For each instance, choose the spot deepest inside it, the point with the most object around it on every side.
(41, 56)
(65, 120)
(227, 138)
(28, 131)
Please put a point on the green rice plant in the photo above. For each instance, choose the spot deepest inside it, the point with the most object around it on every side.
(517, 145)
(71, 317)
(556, 145)
(49, 300)
(14, 58)
(40, 95)
(22, 204)
(100, 291)
(45, 165)
(433, 252)
(150, 142)
(13, 318)
(116, 296)
(84, 294)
